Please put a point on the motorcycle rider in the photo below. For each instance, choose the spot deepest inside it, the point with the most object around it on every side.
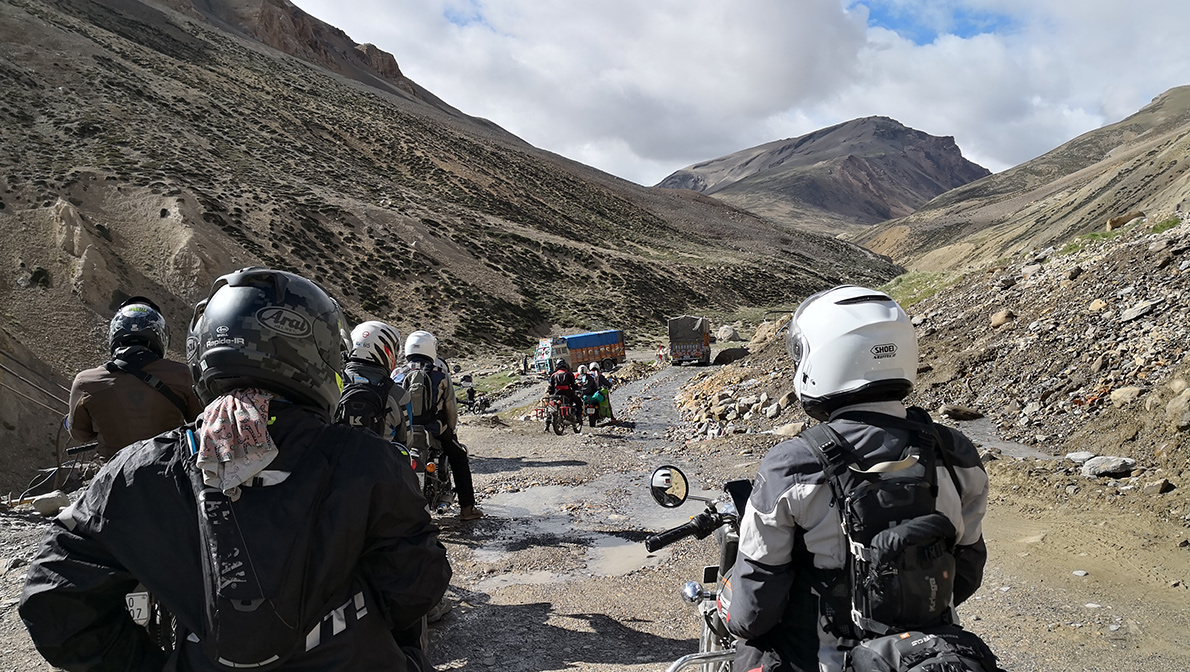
(585, 382)
(856, 356)
(138, 393)
(562, 382)
(373, 358)
(602, 383)
(438, 418)
(331, 551)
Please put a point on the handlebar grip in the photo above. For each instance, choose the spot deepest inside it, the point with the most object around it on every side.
(75, 450)
(662, 539)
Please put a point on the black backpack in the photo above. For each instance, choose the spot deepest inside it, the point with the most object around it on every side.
(365, 404)
(893, 597)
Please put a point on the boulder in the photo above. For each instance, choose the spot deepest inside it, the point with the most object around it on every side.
(1122, 396)
(51, 503)
(956, 412)
(1117, 222)
(1177, 411)
(731, 355)
(791, 429)
(1108, 466)
(1159, 487)
(771, 412)
(1002, 318)
(1080, 457)
(1139, 310)
(727, 333)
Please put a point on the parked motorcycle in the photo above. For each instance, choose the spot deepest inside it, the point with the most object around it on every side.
(671, 489)
(559, 410)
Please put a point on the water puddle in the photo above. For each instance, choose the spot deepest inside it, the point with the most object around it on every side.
(983, 433)
(550, 514)
(613, 556)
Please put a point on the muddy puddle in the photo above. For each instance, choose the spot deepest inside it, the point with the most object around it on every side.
(608, 517)
(983, 433)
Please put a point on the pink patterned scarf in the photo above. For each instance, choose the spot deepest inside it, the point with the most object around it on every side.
(234, 441)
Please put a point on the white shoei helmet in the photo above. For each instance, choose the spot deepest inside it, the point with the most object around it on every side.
(851, 345)
(422, 343)
(376, 342)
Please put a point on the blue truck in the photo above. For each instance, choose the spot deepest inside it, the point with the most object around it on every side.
(605, 347)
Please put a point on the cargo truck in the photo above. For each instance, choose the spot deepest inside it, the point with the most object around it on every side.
(605, 347)
(689, 340)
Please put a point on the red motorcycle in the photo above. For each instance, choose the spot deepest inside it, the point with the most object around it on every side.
(559, 410)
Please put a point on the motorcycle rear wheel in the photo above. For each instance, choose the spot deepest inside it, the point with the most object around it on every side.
(558, 428)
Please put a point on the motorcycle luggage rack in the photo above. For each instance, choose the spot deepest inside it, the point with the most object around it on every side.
(704, 658)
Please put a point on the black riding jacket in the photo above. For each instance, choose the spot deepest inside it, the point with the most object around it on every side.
(374, 564)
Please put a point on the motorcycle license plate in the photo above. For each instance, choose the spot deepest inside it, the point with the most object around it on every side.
(591, 411)
(138, 607)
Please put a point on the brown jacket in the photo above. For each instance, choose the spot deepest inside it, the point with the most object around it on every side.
(119, 409)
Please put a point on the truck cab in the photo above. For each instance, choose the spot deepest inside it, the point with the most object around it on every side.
(549, 351)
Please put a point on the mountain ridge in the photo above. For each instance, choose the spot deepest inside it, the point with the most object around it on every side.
(840, 178)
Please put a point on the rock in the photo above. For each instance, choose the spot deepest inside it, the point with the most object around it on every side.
(1080, 572)
(749, 401)
(51, 503)
(15, 562)
(791, 429)
(1139, 310)
(1097, 305)
(1123, 396)
(771, 412)
(956, 412)
(787, 399)
(1159, 245)
(1080, 457)
(728, 333)
(986, 456)
(1002, 318)
(1005, 283)
(1108, 466)
(1177, 411)
(1073, 273)
(1118, 222)
(1158, 487)
(731, 355)
(764, 398)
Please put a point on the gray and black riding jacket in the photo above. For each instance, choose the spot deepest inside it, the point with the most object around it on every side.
(791, 535)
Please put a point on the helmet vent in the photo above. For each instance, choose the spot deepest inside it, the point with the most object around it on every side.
(866, 298)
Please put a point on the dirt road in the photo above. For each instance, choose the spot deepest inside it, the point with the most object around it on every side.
(555, 577)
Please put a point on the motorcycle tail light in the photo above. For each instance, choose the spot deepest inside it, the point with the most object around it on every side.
(431, 467)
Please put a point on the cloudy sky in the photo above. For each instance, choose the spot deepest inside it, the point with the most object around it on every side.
(641, 88)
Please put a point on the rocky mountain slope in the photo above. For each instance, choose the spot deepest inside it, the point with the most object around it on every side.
(838, 179)
(146, 151)
(1079, 349)
(1139, 164)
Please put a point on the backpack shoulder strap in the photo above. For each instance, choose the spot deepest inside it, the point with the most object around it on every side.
(149, 379)
(833, 454)
(943, 442)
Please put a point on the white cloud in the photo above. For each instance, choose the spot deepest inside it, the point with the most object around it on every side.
(640, 89)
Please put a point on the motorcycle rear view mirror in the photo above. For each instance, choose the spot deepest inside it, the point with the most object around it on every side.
(669, 487)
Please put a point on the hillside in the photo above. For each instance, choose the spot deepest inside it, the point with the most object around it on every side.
(838, 179)
(1138, 164)
(147, 151)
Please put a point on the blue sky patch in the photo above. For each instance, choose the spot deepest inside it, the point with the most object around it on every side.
(923, 23)
(464, 14)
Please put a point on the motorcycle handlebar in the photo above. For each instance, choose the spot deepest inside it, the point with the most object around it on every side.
(662, 539)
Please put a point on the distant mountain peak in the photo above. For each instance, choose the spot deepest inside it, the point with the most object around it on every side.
(837, 178)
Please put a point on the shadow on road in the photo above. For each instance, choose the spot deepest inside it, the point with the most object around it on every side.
(492, 465)
(536, 637)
